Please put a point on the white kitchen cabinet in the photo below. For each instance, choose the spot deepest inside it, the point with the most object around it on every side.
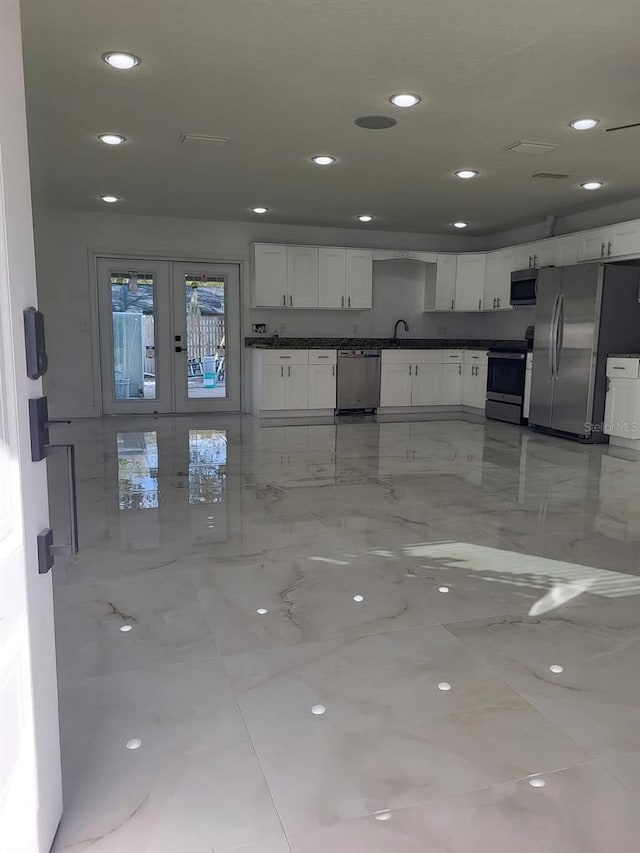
(622, 407)
(359, 275)
(426, 385)
(445, 282)
(542, 253)
(272, 387)
(452, 381)
(566, 250)
(474, 385)
(592, 245)
(322, 386)
(470, 276)
(302, 277)
(395, 384)
(332, 277)
(497, 280)
(296, 392)
(270, 275)
(625, 239)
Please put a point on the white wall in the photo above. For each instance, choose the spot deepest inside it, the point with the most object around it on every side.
(65, 241)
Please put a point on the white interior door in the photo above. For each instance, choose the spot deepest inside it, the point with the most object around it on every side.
(134, 303)
(30, 781)
(206, 337)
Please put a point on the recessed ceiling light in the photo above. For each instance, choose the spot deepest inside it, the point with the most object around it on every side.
(121, 61)
(358, 598)
(318, 710)
(260, 209)
(444, 685)
(261, 611)
(556, 668)
(459, 224)
(443, 589)
(382, 815)
(405, 99)
(584, 123)
(110, 199)
(537, 782)
(126, 628)
(465, 174)
(323, 159)
(365, 218)
(592, 185)
(112, 138)
(134, 743)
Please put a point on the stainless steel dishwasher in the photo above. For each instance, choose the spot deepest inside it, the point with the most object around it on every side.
(358, 379)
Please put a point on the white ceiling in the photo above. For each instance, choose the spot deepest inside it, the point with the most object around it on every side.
(284, 79)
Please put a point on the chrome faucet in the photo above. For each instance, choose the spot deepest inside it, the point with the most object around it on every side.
(395, 328)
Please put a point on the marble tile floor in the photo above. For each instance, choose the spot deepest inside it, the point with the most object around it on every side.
(381, 637)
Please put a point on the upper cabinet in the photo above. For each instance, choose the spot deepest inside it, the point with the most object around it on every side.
(614, 241)
(310, 277)
(470, 273)
(270, 275)
(445, 292)
(497, 280)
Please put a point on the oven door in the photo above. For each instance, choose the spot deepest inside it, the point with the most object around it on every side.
(505, 379)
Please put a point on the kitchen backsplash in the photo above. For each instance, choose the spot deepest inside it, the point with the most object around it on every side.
(398, 293)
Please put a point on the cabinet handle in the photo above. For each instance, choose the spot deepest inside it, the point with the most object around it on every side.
(409, 370)
(535, 260)
(333, 370)
(282, 370)
(323, 356)
(494, 302)
(602, 250)
(350, 297)
(459, 370)
(453, 304)
(499, 300)
(342, 301)
(530, 261)
(288, 370)
(609, 248)
(608, 383)
(291, 301)
(416, 372)
(479, 304)
(284, 300)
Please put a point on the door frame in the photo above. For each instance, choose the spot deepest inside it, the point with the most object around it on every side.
(94, 253)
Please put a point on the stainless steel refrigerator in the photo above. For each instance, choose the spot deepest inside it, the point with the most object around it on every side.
(583, 313)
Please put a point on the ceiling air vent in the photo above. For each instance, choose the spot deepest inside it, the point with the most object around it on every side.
(524, 147)
(551, 176)
(202, 139)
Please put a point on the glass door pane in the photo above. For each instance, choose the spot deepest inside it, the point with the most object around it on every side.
(206, 338)
(135, 335)
(207, 334)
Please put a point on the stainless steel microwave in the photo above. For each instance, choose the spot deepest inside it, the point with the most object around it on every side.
(524, 286)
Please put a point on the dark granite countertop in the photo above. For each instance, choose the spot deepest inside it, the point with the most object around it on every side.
(624, 355)
(260, 342)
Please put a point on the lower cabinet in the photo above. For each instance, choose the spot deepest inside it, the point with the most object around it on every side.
(474, 385)
(293, 380)
(396, 382)
(452, 381)
(433, 378)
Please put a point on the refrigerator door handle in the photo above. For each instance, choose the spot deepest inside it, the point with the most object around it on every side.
(559, 332)
(553, 332)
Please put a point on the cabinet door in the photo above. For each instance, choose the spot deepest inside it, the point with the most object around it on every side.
(527, 392)
(621, 408)
(296, 386)
(593, 244)
(497, 280)
(445, 282)
(302, 277)
(451, 385)
(566, 250)
(468, 384)
(624, 239)
(332, 277)
(543, 253)
(395, 384)
(426, 387)
(322, 386)
(272, 381)
(359, 278)
(270, 271)
(480, 388)
(470, 274)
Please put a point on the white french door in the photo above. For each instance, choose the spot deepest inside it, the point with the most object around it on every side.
(169, 336)
(30, 780)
